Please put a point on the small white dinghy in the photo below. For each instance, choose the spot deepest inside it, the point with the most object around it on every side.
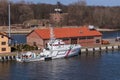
(28, 57)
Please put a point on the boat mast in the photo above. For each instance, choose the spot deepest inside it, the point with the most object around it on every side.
(51, 34)
(51, 37)
(9, 28)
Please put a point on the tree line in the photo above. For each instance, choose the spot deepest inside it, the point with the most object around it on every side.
(78, 13)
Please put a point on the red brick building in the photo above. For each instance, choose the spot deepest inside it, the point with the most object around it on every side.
(56, 18)
(80, 35)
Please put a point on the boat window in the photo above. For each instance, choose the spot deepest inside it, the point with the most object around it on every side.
(47, 48)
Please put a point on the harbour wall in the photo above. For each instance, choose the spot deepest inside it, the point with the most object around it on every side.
(98, 50)
(7, 56)
(12, 56)
(83, 51)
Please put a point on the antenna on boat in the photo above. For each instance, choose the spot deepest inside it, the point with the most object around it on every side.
(9, 28)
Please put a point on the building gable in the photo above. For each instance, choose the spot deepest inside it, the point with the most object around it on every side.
(34, 39)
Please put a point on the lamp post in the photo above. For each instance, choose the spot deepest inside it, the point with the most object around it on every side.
(9, 22)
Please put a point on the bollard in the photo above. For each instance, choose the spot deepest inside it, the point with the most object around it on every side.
(86, 51)
(6, 58)
(100, 50)
(118, 47)
(80, 52)
(112, 48)
(93, 51)
(106, 49)
(10, 57)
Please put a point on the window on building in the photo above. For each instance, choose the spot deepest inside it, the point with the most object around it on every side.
(65, 39)
(74, 41)
(97, 40)
(81, 38)
(3, 49)
(3, 43)
(34, 43)
(90, 37)
(61, 18)
(2, 36)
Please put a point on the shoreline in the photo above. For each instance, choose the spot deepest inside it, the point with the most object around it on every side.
(99, 29)
(21, 31)
(27, 31)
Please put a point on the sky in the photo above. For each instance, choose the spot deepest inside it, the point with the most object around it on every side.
(89, 2)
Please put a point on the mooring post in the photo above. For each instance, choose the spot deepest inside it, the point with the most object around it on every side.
(100, 50)
(118, 47)
(80, 52)
(6, 57)
(106, 49)
(10, 57)
(93, 51)
(14, 57)
(86, 51)
(112, 48)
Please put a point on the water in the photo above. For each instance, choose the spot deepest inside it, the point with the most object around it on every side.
(97, 67)
(111, 34)
(18, 38)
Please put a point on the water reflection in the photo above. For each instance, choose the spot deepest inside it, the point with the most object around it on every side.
(4, 70)
(91, 67)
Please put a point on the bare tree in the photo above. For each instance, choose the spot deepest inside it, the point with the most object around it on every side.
(3, 12)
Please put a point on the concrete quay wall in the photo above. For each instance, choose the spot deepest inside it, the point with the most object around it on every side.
(98, 49)
(83, 51)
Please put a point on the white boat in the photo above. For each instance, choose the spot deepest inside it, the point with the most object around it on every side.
(28, 57)
(56, 48)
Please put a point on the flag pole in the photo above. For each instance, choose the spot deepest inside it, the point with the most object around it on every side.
(9, 22)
